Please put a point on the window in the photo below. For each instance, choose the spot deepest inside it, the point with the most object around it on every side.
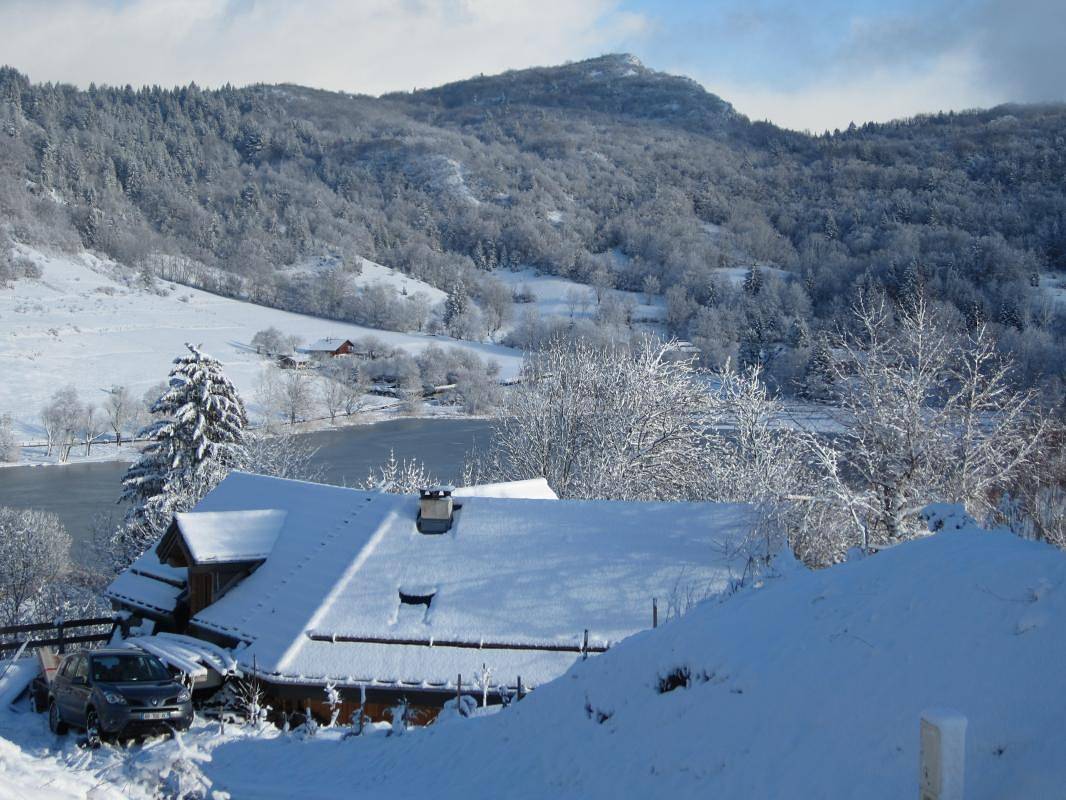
(81, 668)
(133, 668)
(416, 599)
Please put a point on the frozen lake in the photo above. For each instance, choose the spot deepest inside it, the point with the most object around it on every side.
(80, 492)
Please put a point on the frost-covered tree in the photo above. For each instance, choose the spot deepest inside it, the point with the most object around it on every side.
(120, 409)
(34, 552)
(62, 418)
(289, 393)
(270, 341)
(929, 414)
(605, 422)
(92, 426)
(456, 305)
(9, 445)
(197, 440)
(399, 477)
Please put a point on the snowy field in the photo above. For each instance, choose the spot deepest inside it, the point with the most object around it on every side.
(808, 685)
(561, 297)
(83, 324)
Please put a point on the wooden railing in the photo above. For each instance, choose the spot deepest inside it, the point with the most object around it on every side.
(64, 632)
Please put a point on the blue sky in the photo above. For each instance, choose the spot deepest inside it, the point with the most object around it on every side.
(812, 65)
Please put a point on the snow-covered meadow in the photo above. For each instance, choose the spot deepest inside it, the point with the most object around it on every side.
(807, 684)
(88, 323)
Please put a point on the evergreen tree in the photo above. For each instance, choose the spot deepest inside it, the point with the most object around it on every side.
(818, 377)
(457, 304)
(197, 439)
(753, 280)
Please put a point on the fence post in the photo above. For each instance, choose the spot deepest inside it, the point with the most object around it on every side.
(943, 755)
(59, 635)
(655, 612)
(459, 693)
(521, 691)
(585, 646)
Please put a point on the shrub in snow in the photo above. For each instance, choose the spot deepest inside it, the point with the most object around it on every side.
(333, 700)
(400, 718)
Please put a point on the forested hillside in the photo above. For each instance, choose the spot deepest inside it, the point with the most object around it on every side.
(602, 171)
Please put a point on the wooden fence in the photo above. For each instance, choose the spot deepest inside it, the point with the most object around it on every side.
(63, 633)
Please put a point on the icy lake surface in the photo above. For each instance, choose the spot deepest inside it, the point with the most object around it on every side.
(80, 492)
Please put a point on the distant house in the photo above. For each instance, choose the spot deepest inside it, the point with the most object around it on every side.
(411, 597)
(295, 361)
(329, 347)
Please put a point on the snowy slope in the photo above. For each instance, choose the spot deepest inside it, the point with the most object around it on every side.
(371, 273)
(809, 687)
(82, 324)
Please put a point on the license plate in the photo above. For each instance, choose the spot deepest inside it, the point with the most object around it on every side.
(155, 715)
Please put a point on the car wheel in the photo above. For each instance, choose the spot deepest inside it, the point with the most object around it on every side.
(92, 728)
(55, 723)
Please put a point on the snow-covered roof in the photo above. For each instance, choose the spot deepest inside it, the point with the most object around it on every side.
(148, 585)
(327, 345)
(511, 574)
(532, 489)
(229, 536)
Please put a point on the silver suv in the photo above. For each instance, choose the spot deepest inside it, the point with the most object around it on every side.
(124, 693)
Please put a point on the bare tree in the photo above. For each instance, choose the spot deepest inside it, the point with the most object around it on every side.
(340, 388)
(120, 409)
(92, 426)
(286, 392)
(62, 418)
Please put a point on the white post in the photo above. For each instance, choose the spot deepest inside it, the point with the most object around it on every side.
(943, 755)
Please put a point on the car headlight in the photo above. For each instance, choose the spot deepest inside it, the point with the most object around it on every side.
(184, 696)
(114, 698)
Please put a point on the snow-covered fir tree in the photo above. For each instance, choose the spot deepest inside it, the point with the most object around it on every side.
(197, 439)
(456, 306)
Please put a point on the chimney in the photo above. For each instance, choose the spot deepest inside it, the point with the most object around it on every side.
(435, 509)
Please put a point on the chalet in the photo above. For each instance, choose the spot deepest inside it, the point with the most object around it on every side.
(393, 596)
(329, 347)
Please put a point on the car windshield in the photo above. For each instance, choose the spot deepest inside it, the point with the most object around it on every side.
(127, 669)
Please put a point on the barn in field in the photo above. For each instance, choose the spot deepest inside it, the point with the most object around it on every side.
(329, 347)
(415, 597)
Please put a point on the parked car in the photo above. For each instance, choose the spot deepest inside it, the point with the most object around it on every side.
(115, 692)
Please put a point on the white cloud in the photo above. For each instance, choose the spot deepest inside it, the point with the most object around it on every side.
(369, 46)
(954, 81)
